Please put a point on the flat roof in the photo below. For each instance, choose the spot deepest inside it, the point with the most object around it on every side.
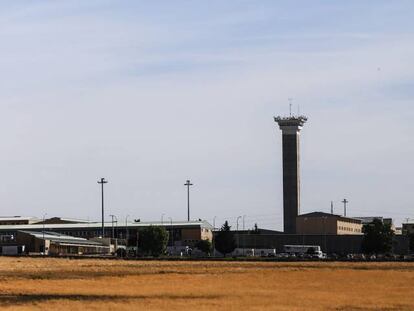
(11, 218)
(327, 215)
(202, 224)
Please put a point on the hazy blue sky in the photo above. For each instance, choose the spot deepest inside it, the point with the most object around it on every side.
(150, 93)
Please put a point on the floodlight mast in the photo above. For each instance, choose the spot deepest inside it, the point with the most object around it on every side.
(188, 184)
(102, 181)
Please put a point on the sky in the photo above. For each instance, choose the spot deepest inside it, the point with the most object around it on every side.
(149, 94)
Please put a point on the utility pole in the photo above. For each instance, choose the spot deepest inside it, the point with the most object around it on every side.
(102, 182)
(345, 201)
(188, 184)
(332, 207)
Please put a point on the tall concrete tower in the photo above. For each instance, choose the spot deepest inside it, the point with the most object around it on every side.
(291, 127)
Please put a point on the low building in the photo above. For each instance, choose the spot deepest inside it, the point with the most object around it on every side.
(324, 223)
(53, 243)
(181, 233)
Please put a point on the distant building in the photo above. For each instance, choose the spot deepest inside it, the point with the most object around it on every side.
(408, 228)
(386, 221)
(17, 220)
(324, 223)
(369, 219)
(181, 233)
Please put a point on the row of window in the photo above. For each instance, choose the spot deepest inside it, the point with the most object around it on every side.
(349, 229)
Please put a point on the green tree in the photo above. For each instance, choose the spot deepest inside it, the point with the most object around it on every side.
(377, 237)
(204, 246)
(224, 240)
(153, 240)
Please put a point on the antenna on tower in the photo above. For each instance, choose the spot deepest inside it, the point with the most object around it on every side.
(290, 106)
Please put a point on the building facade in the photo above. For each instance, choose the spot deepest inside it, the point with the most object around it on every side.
(324, 223)
(180, 233)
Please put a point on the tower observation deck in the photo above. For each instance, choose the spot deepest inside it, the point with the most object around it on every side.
(291, 127)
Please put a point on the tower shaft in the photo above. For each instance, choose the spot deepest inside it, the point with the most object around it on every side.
(291, 170)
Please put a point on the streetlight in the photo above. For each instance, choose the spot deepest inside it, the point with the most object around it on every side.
(237, 226)
(126, 234)
(44, 242)
(324, 232)
(214, 240)
(102, 182)
(188, 184)
(172, 234)
(162, 218)
(244, 216)
(237, 223)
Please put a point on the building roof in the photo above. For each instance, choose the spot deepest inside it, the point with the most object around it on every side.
(322, 214)
(60, 238)
(98, 226)
(12, 218)
(60, 220)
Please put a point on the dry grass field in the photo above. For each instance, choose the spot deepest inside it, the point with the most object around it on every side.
(64, 284)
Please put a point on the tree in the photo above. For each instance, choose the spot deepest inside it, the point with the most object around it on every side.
(377, 237)
(224, 240)
(204, 246)
(153, 240)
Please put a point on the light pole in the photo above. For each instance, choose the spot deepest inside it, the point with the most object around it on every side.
(345, 201)
(188, 184)
(172, 234)
(244, 216)
(126, 234)
(237, 226)
(162, 218)
(44, 242)
(102, 182)
(324, 232)
(214, 240)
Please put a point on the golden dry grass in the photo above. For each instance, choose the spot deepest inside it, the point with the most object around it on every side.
(63, 284)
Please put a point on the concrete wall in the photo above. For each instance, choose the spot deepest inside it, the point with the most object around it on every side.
(339, 244)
